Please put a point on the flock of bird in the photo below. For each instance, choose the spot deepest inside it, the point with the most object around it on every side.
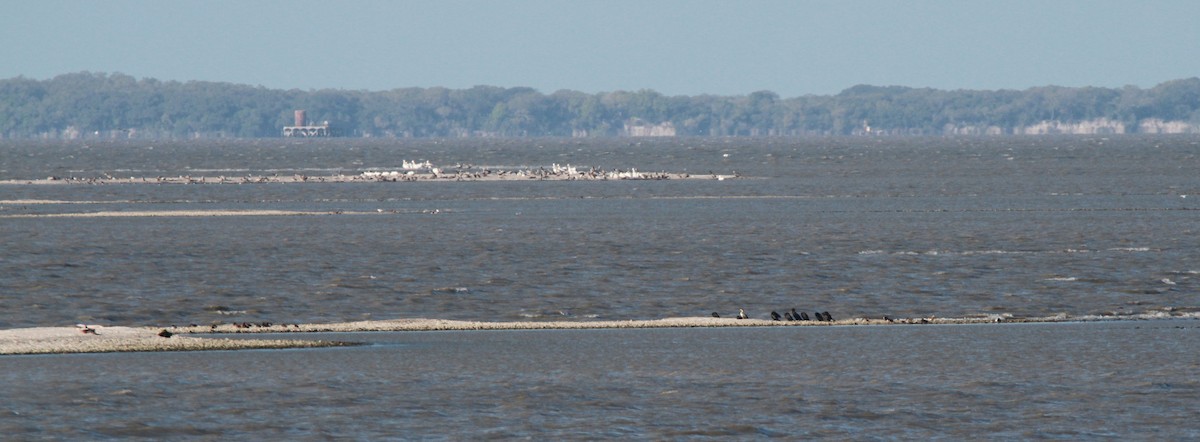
(792, 315)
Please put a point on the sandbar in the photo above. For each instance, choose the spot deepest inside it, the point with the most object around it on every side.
(172, 213)
(102, 339)
(388, 177)
(78, 339)
(425, 324)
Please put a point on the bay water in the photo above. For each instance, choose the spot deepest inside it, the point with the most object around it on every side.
(858, 226)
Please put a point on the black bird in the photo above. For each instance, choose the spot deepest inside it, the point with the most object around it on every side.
(804, 316)
(818, 316)
(716, 315)
(828, 317)
(788, 316)
(795, 315)
(774, 315)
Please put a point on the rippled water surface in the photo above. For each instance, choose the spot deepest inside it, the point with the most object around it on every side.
(1008, 381)
(859, 227)
(856, 226)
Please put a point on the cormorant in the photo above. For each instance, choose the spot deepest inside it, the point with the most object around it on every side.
(774, 315)
(742, 314)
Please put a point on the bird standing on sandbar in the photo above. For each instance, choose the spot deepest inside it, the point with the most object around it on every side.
(742, 314)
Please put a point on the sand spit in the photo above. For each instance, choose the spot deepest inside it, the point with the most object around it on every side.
(182, 213)
(208, 213)
(173, 213)
(101, 339)
(392, 176)
(680, 322)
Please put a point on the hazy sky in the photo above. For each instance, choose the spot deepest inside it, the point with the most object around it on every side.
(676, 47)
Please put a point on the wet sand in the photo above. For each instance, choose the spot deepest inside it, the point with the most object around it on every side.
(44, 340)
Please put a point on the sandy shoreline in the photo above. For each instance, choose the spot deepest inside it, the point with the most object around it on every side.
(176, 213)
(390, 177)
(421, 324)
(101, 339)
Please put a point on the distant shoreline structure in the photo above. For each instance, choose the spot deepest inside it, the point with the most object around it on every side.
(98, 106)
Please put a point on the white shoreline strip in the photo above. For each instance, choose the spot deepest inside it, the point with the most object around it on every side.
(681, 322)
(35, 202)
(368, 177)
(101, 339)
(174, 213)
(45, 340)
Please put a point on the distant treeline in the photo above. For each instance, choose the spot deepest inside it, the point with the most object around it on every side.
(89, 105)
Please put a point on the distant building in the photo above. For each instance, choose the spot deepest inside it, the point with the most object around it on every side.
(302, 129)
(636, 127)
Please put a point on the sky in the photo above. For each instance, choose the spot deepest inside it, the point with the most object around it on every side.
(675, 47)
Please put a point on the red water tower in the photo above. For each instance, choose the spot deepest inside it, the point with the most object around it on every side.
(300, 118)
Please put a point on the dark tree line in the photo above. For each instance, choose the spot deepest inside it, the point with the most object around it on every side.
(95, 104)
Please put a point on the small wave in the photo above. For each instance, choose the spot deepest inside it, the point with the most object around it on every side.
(31, 202)
(222, 170)
(1062, 279)
(1130, 249)
(269, 170)
(996, 252)
(937, 252)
